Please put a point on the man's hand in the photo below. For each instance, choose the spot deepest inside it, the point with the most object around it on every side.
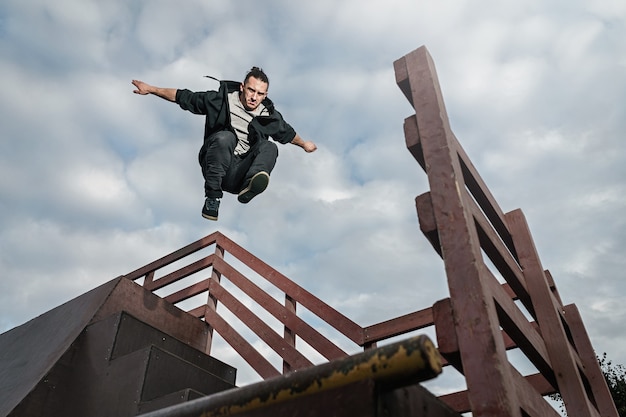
(307, 145)
(168, 94)
(142, 88)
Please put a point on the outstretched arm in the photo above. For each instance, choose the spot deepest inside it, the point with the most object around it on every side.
(307, 145)
(168, 94)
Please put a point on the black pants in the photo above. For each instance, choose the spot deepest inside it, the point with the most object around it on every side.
(223, 170)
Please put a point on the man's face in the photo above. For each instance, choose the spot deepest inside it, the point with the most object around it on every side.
(252, 93)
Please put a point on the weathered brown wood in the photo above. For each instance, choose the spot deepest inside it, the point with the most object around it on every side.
(211, 302)
(565, 367)
(257, 361)
(412, 138)
(483, 197)
(314, 338)
(399, 325)
(331, 316)
(525, 335)
(530, 400)
(428, 224)
(459, 401)
(499, 255)
(188, 292)
(474, 311)
(259, 327)
(601, 392)
(181, 273)
(174, 256)
(288, 334)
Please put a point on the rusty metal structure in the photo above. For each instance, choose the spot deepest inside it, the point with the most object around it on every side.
(156, 328)
(480, 320)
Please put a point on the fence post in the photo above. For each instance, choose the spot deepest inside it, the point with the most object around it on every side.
(212, 301)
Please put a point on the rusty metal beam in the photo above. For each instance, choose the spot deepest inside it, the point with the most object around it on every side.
(259, 327)
(305, 331)
(475, 318)
(405, 362)
(399, 325)
(174, 256)
(255, 359)
(331, 316)
(565, 365)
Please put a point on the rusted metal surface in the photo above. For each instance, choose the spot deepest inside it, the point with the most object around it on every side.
(561, 353)
(184, 272)
(173, 257)
(92, 357)
(244, 348)
(475, 316)
(412, 360)
(155, 311)
(28, 352)
(284, 314)
(462, 220)
(601, 392)
(399, 325)
(331, 316)
(288, 334)
(258, 326)
(220, 269)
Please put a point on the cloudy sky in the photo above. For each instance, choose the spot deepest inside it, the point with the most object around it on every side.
(96, 181)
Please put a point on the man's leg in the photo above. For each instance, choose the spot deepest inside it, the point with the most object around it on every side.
(263, 159)
(217, 159)
(215, 163)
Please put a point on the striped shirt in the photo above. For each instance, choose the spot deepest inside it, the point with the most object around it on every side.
(240, 118)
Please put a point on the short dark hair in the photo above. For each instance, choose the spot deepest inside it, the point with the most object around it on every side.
(257, 73)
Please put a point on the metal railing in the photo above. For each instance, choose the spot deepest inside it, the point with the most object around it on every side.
(214, 281)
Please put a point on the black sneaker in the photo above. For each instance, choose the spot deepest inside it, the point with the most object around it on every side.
(211, 208)
(258, 183)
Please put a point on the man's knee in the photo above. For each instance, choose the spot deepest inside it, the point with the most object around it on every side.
(268, 148)
(222, 140)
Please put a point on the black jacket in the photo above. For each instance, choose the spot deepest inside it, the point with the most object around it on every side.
(214, 105)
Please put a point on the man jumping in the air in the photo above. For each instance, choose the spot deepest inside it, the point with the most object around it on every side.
(236, 155)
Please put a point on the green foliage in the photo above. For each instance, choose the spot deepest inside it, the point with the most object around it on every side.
(615, 376)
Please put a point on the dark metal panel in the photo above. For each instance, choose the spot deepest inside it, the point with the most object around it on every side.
(169, 400)
(166, 373)
(28, 352)
(412, 401)
(133, 335)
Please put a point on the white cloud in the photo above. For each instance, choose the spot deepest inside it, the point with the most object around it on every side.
(96, 181)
